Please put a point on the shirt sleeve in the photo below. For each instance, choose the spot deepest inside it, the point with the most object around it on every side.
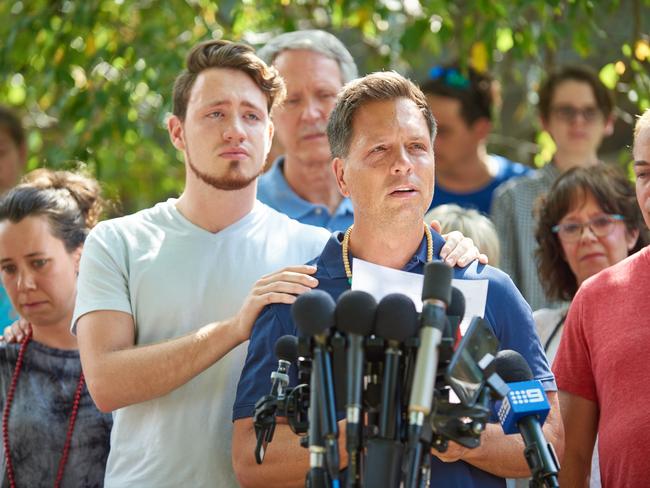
(103, 282)
(254, 382)
(572, 365)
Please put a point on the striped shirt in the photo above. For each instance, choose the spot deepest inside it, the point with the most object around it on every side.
(513, 214)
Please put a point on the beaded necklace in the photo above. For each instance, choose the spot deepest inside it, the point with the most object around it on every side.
(346, 244)
(7, 410)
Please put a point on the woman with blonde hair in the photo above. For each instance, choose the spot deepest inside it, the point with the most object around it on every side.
(52, 433)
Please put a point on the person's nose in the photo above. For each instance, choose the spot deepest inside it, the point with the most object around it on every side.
(586, 234)
(26, 281)
(402, 163)
(312, 110)
(234, 131)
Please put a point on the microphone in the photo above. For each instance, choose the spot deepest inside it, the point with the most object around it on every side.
(524, 410)
(396, 322)
(436, 295)
(355, 316)
(455, 314)
(286, 350)
(313, 314)
(456, 311)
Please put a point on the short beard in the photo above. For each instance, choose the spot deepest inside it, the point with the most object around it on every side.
(233, 179)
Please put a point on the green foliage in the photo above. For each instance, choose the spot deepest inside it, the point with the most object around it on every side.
(94, 77)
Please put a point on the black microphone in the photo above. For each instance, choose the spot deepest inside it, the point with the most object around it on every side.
(456, 310)
(286, 350)
(397, 320)
(455, 314)
(436, 295)
(313, 314)
(524, 409)
(355, 316)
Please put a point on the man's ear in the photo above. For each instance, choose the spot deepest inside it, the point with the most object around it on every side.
(481, 128)
(338, 165)
(269, 142)
(175, 130)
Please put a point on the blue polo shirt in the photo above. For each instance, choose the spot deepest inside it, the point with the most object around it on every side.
(506, 311)
(274, 190)
(481, 199)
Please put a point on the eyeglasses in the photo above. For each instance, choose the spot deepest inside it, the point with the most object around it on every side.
(449, 76)
(568, 113)
(600, 226)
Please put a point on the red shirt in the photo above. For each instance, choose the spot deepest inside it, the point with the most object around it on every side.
(604, 356)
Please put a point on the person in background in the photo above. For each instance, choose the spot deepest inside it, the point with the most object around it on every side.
(462, 102)
(576, 110)
(601, 364)
(13, 157)
(588, 221)
(314, 65)
(470, 223)
(52, 432)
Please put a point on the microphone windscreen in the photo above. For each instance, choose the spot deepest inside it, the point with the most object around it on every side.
(457, 305)
(437, 282)
(313, 312)
(397, 319)
(286, 348)
(355, 312)
(512, 367)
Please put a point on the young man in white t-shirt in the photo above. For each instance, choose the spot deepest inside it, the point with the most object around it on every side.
(158, 313)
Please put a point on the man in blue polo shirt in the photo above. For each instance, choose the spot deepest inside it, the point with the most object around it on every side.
(387, 170)
(314, 65)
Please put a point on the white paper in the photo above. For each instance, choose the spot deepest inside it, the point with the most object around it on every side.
(380, 281)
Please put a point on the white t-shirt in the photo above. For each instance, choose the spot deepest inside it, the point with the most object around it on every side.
(174, 277)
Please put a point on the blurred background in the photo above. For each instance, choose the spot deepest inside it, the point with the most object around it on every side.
(92, 79)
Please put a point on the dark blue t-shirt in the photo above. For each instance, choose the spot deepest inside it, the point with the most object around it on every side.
(507, 312)
(481, 199)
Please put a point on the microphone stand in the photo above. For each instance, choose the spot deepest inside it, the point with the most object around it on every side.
(317, 475)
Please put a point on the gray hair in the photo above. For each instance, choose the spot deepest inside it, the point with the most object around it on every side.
(312, 40)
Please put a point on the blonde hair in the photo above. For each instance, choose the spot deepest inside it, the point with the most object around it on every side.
(471, 224)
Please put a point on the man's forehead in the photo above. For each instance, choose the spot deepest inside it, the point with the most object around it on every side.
(301, 56)
(394, 111)
(227, 85)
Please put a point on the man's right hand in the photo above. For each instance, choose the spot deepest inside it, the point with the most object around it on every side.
(280, 287)
(17, 331)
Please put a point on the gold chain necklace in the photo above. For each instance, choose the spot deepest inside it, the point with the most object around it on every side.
(346, 243)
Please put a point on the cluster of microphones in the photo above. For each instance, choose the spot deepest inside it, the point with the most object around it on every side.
(400, 383)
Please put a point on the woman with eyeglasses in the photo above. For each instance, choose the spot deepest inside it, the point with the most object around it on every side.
(588, 221)
(52, 433)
